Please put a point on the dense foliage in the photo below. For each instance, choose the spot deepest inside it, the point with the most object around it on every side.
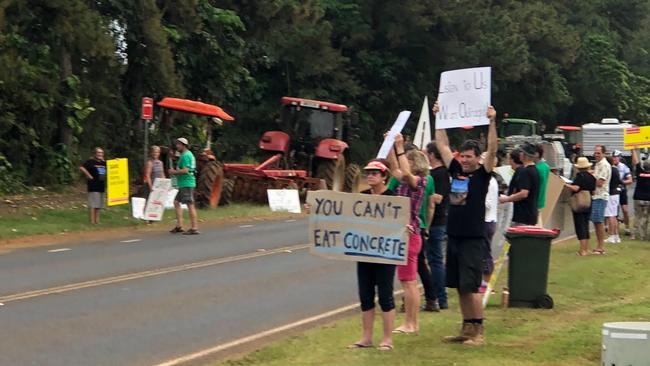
(74, 70)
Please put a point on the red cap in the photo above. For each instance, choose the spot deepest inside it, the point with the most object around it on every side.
(376, 165)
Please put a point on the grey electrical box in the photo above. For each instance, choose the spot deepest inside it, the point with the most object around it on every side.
(626, 344)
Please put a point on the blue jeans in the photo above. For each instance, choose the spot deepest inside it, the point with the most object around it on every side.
(435, 251)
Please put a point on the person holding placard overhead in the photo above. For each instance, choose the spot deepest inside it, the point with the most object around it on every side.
(410, 168)
(466, 226)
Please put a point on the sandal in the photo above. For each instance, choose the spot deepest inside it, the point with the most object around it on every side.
(598, 252)
(359, 345)
(385, 347)
(579, 254)
(191, 232)
(177, 229)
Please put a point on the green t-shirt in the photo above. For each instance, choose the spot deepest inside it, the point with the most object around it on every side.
(543, 170)
(186, 180)
(430, 189)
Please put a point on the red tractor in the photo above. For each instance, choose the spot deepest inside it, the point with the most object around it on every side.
(315, 137)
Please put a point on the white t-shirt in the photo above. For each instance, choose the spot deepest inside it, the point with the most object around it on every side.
(492, 201)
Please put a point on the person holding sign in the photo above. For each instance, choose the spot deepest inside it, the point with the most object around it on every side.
(410, 169)
(376, 275)
(466, 225)
(95, 171)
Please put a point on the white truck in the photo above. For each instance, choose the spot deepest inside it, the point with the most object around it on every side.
(609, 132)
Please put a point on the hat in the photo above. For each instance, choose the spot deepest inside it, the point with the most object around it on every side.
(376, 165)
(583, 163)
(529, 149)
(183, 141)
(617, 153)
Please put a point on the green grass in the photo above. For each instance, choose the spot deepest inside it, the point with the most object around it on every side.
(588, 291)
(57, 220)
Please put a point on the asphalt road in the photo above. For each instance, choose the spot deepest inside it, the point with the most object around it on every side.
(153, 297)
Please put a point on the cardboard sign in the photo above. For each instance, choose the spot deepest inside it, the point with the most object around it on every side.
(554, 188)
(156, 202)
(117, 182)
(464, 97)
(390, 138)
(359, 227)
(284, 200)
(137, 207)
(636, 138)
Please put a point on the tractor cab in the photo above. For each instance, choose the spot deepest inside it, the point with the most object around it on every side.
(312, 120)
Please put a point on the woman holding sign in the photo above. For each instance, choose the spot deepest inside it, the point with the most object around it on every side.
(411, 169)
(371, 275)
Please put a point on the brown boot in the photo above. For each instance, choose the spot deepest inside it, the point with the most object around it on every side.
(477, 337)
(465, 333)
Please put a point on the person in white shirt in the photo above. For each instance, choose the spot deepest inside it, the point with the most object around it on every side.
(603, 174)
(491, 203)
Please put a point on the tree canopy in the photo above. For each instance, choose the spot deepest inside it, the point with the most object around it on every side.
(75, 70)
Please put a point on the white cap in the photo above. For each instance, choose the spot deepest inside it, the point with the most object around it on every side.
(183, 141)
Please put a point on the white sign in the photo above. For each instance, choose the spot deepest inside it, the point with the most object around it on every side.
(464, 97)
(156, 202)
(423, 132)
(137, 207)
(284, 200)
(390, 138)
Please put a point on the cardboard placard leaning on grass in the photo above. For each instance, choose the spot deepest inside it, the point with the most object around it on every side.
(359, 227)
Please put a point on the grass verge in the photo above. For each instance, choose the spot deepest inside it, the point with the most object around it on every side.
(588, 291)
(43, 221)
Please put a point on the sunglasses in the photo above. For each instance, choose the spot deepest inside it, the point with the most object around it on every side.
(373, 172)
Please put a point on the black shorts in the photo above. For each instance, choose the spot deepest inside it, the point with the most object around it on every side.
(623, 200)
(465, 261)
(185, 195)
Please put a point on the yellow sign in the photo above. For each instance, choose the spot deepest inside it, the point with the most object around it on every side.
(117, 182)
(637, 137)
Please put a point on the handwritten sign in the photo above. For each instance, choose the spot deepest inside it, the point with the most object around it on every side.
(156, 201)
(359, 227)
(464, 97)
(286, 200)
(390, 137)
(636, 138)
(117, 182)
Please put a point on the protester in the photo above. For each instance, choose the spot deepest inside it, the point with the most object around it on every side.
(611, 211)
(641, 196)
(376, 275)
(154, 168)
(543, 170)
(603, 174)
(410, 169)
(584, 181)
(426, 214)
(524, 189)
(491, 205)
(626, 178)
(466, 226)
(95, 171)
(185, 182)
(435, 245)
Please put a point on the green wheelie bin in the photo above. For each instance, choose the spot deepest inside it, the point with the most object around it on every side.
(530, 252)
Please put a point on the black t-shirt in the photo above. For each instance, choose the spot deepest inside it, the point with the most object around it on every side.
(615, 182)
(642, 190)
(442, 183)
(96, 168)
(466, 216)
(525, 211)
(586, 181)
(387, 192)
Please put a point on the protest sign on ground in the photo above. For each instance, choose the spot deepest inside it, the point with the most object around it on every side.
(284, 200)
(390, 138)
(137, 207)
(636, 138)
(117, 182)
(359, 227)
(156, 201)
(464, 97)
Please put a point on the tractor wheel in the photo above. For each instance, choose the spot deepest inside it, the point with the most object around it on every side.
(226, 192)
(352, 178)
(209, 185)
(332, 172)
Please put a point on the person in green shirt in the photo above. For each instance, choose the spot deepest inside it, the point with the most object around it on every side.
(185, 182)
(544, 170)
(426, 215)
